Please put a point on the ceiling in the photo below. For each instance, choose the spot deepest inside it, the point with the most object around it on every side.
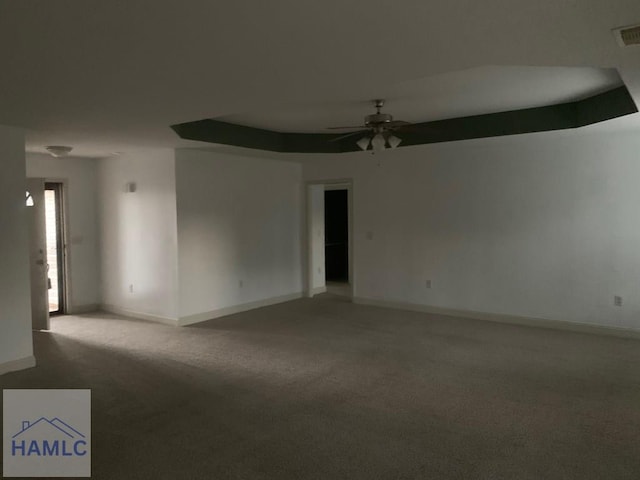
(112, 76)
(475, 91)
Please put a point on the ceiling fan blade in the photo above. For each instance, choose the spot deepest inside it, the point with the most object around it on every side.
(345, 128)
(413, 127)
(397, 124)
(360, 132)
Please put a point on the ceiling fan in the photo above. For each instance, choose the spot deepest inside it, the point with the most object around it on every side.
(381, 128)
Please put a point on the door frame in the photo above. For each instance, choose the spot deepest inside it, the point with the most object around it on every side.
(65, 232)
(329, 184)
(63, 265)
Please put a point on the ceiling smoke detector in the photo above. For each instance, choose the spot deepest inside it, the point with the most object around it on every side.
(59, 150)
(628, 36)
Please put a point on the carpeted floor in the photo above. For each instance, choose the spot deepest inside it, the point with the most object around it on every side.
(324, 389)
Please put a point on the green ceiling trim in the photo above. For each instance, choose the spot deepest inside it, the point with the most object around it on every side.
(598, 108)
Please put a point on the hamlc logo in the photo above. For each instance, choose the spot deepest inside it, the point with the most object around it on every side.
(48, 438)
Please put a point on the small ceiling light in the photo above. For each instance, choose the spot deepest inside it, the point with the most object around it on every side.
(378, 142)
(394, 141)
(363, 143)
(59, 150)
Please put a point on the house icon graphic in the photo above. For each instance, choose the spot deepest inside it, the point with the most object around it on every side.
(48, 438)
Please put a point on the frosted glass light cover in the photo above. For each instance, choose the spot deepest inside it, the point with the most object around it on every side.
(394, 141)
(378, 142)
(363, 143)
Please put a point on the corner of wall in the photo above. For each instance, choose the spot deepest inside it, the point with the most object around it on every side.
(16, 343)
(16, 365)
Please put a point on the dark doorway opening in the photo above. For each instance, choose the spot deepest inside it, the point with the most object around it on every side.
(336, 225)
(55, 248)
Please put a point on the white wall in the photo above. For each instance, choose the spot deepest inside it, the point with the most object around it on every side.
(80, 179)
(315, 225)
(542, 225)
(239, 231)
(138, 235)
(16, 347)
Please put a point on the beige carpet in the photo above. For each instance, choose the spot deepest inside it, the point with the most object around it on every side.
(324, 389)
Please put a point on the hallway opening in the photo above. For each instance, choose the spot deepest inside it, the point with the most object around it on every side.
(55, 248)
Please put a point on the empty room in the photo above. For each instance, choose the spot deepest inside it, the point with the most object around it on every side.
(320, 240)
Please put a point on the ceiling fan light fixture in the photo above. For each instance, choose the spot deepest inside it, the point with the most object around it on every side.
(380, 128)
(394, 141)
(363, 143)
(378, 142)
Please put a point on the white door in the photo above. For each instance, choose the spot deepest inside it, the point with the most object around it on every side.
(37, 254)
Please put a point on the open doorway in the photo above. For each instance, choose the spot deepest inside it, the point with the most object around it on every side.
(56, 278)
(336, 240)
(330, 238)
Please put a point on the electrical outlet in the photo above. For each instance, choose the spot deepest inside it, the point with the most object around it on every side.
(427, 283)
(617, 301)
(241, 283)
(131, 288)
(320, 270)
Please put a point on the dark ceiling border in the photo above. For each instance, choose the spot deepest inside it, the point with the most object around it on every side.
(598, 108)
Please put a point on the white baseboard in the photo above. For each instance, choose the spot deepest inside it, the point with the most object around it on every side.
(202, 317)
(504, 318)
(317, 291)
(80, 309)
(142, 316)
(20, 364)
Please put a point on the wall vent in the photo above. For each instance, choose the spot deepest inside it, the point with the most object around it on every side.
(628, 36)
